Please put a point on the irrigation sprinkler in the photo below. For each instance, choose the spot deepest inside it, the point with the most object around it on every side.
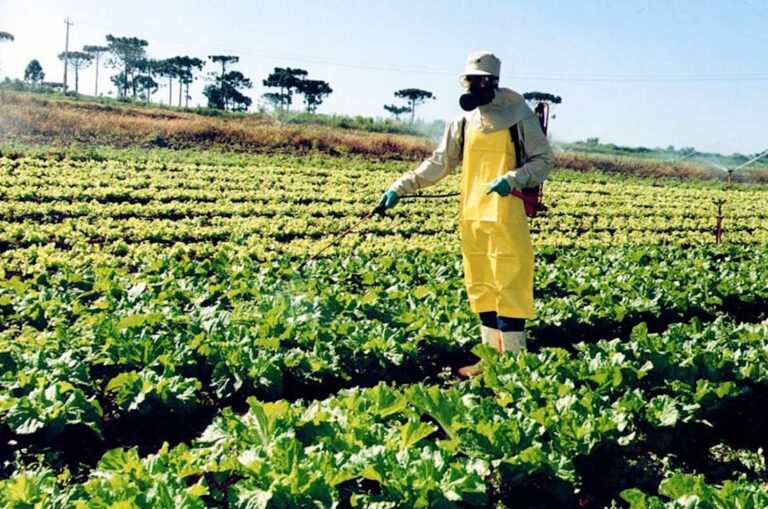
(719, 232)
(730, 171)
(756, 158)
(720, 202)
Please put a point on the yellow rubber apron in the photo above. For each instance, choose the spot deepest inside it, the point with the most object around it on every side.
(495, 239)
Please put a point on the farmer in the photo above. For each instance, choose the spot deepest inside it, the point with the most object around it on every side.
(495, 239)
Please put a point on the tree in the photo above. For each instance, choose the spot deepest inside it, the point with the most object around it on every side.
(224, 90)
(536, 97)
(397, 110)
(96, 52)
(234, 81)
(273, 98)
(34, 72)
(278, 100)
(126, 54)
(415, 97)
(314, 92)
(215, 95)
(185, 68)
(5, 36)
(168, 68)
(224, 60)
(146, 85)
(286, 80)
(144, 81)
(76, 60)
(224, 93)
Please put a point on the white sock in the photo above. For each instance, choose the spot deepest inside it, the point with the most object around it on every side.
(491, 337)
(513, 341)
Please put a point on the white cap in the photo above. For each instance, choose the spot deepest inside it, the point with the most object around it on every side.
(483, 63)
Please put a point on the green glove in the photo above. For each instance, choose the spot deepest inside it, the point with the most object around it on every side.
(499, 186)
(387, 200)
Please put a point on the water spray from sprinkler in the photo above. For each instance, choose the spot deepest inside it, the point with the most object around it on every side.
(730, 171)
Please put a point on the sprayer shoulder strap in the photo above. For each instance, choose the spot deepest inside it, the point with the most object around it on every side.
(514, 131)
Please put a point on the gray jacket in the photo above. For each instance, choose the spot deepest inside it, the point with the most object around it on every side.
(507, 109)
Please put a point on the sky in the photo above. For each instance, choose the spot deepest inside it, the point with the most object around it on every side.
(647, 73)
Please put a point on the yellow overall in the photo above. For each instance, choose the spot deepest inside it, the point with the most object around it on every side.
(495, 239)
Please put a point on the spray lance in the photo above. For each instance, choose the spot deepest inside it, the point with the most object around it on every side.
(532, 203)
(380, 210)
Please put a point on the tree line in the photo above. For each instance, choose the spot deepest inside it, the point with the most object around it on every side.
(140, 77)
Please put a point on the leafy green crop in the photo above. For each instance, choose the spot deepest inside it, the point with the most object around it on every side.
(137, 289)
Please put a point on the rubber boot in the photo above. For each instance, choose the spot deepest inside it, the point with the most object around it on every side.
(490, 337)
(513, 341)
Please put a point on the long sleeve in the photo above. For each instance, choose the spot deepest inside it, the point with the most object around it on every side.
(538, 156)
(445, 159)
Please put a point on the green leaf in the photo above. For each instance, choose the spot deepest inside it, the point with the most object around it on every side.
(436, 403)
(139, 320)
(639, 500)
(663, 410)
(121, 380)
(421, 291)
(413, 431)
(386, 400)
(368, 298)
(683, 487)
(124, 461)
(244, 496)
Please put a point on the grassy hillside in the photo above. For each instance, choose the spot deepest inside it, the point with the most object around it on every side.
(38, 120)
(54, 120)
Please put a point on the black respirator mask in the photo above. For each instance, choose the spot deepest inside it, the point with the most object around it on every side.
(481, 91)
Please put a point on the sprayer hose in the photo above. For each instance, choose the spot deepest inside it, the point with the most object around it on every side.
(448, 195)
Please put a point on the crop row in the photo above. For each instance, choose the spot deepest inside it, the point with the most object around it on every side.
(274, 181)
(153, 203)
(179, 333)
(560, 191)
(279, 231)
(530, 417)
(299, 236)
